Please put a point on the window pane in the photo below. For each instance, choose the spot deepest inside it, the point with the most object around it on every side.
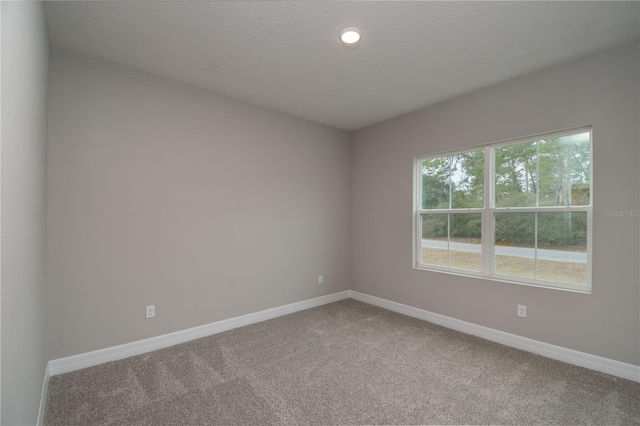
(565, 170)
(436, 174)
(435, 244)
(562, 247)
(455, 181)
(516, 175)
(465, 241)
(515, 244)
(561, 252)
(467, 180)
(452, 240)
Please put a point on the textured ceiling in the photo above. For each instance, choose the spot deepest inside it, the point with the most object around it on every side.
(286, 55)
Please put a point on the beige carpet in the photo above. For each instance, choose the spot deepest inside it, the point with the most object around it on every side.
(343, 363)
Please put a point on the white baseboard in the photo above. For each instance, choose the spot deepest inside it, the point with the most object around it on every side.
(43, 395)
(88, 359)
(582, 359)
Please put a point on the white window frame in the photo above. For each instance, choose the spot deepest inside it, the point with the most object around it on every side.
(489, 210)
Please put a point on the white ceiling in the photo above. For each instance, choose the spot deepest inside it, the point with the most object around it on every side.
(286, 55)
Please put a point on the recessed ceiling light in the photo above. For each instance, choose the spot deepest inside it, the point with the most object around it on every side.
(350, 35)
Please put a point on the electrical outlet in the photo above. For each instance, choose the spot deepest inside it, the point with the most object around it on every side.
(522, 311)
(320, 279)
(151, 311)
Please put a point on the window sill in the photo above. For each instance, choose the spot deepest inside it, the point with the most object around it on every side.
(505, 279)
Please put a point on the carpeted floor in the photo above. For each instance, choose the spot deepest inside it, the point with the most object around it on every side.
(343, 363)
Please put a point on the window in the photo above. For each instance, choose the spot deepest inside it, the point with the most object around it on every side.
(517, 211)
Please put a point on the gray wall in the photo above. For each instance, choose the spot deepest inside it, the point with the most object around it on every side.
(160, 193)
(25, 53)
(600, 90)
